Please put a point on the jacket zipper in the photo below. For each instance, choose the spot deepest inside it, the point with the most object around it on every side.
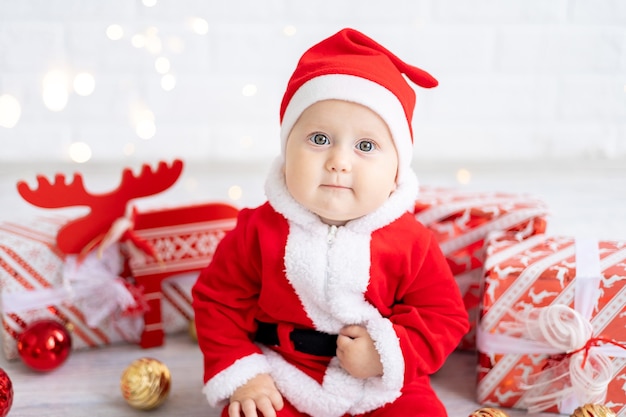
(332, 232)
(330, 238)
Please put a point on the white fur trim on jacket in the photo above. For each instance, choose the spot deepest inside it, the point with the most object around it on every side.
(388, 346)
(331, 277)
(398, 203)
(219, 388)
(338, 394)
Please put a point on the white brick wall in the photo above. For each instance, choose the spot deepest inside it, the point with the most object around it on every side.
(519, 79)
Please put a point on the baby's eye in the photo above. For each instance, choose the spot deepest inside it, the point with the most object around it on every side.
(320, 139)
(366, 146)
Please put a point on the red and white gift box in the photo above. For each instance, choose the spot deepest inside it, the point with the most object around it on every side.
(33, 288)
(183, 240)
(462, 220)
(159, 245)
(552, 328)
(35, 285)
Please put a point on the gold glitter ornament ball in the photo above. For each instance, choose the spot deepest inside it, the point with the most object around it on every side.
(145, 383)
(593, 410)
(488, 412)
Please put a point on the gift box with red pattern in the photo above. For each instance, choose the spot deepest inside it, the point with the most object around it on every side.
(100, 300)
(552, 328)
(115, 273)
(182, 242)
(37, 282)
(461, 220)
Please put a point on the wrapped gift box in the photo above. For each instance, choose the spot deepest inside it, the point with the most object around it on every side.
(34, 278)
(183, 240)
(526, 282)
(461, 221)
(31, 279)
(156, 245)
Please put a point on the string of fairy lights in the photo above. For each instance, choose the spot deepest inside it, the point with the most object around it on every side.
(58, 84)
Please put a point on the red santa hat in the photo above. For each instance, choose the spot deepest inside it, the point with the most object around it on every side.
(352, 67)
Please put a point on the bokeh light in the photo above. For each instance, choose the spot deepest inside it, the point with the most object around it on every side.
(128, 149)
(55, 90)
(10, 111)
(199, 26)
(138, 40)
(153, 42)
(84, 84)
(115, 32)
(289, 30)
(149, 3)
(249, 90)
(145, 129)
(463, 176)
(175, 44)
(235, 192)
(79, 152)
(142, 119)
(168, 82)
(162, 65)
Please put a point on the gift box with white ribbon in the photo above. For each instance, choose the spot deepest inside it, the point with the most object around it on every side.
(552, 330)
(461, 220)
(160, 245)
(96, 295)
(39, 282)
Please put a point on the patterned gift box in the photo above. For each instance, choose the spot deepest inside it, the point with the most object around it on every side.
(183, 240)
(533, 287)
(33, 285)
(461, 221)
(155, 245)
(31, 279)
(176, 308)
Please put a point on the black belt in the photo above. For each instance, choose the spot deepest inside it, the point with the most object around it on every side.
(304, 340)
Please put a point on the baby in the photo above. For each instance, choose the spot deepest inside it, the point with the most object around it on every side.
(330, 299)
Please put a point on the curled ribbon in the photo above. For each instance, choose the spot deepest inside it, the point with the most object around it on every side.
(122, 230)
(580, 369)
(94, 285)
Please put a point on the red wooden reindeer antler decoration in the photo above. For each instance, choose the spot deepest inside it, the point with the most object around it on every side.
(89, 230)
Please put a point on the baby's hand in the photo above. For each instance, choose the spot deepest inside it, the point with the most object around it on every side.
(357, 354)
(260, 393)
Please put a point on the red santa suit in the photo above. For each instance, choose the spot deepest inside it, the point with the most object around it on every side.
(282, 265)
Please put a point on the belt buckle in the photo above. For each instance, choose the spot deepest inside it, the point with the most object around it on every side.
(283, 331)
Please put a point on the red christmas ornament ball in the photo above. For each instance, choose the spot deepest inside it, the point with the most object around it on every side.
(6, 393)
(44, 345)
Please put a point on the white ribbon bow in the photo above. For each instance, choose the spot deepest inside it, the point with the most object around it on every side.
(92, 284)
(580, 375)
(584, 371)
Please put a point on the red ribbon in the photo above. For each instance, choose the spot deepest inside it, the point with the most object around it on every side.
(554, 360)
(594, 341)
(138, 241)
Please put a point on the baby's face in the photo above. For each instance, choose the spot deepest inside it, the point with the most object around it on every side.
(340, 161)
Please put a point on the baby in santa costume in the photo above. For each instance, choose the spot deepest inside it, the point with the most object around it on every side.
(330, 299)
